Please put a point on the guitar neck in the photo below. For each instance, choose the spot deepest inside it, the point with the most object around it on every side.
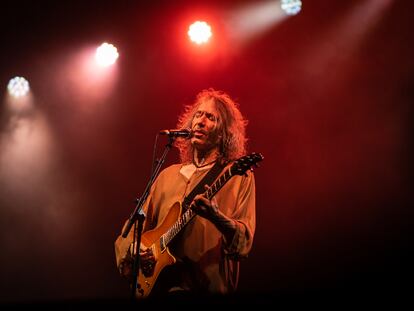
(189, 214)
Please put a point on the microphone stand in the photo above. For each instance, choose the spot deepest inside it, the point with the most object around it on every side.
(138, 215)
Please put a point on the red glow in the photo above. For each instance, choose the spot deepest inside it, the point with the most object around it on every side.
(86, 80)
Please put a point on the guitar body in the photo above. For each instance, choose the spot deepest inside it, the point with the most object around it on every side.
(151, 239)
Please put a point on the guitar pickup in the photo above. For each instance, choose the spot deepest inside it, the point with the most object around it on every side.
(162, 244)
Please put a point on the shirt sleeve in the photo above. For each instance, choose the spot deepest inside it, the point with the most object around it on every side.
(122, 245)
(244, 216)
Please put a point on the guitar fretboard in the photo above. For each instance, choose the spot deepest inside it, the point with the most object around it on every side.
(189, 214)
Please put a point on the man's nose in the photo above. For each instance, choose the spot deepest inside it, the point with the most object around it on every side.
(201, 121)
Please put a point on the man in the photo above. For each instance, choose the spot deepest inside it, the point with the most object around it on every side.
(210, 246)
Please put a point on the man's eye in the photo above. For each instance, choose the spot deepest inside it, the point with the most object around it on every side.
(212, 118)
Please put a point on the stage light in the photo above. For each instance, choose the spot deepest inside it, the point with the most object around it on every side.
(291, 7)
(18, 87)
(199, 32)
(106, 54)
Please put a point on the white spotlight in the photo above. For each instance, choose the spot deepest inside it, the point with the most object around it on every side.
(18, 86)
(291, 7)
(106, 54)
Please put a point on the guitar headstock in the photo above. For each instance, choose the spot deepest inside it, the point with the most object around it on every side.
(243, 164)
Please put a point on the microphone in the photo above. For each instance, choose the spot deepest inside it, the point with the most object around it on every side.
(185, 133)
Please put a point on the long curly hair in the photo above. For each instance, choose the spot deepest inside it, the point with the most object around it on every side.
(231, 126)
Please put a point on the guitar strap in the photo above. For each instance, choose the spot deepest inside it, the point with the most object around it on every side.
(207, 180)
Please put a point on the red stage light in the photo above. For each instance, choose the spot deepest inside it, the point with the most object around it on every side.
(199, 32)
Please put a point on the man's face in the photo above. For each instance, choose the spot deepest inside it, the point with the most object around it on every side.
(204, 126)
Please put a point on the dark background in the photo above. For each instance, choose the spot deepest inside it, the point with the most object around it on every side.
(328, 95)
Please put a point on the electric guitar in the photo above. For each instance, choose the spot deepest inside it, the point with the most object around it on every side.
(159, 238)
